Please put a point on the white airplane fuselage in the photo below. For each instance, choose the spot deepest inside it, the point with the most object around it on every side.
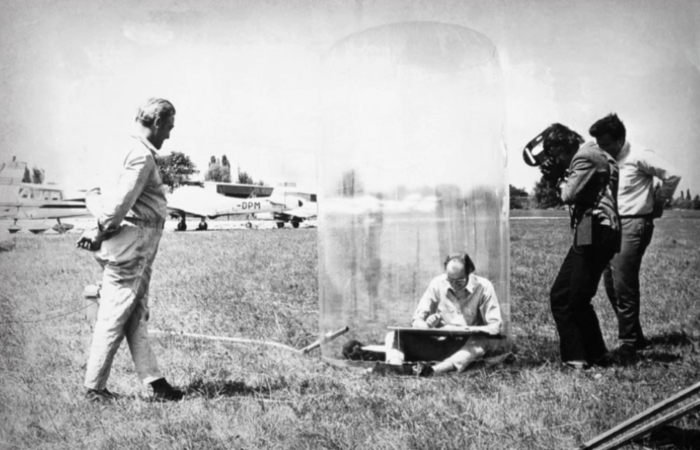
(37, 202)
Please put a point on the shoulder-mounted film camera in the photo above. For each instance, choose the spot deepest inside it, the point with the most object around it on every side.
(536, 154)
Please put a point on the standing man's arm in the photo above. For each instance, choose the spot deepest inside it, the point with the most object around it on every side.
(581, 172)
(655, 166)
(132, 181)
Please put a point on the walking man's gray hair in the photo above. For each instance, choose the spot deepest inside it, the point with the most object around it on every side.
(152, 108)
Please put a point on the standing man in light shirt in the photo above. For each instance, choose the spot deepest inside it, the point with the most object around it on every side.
(125, 243)
(456, 300)
(639, 203)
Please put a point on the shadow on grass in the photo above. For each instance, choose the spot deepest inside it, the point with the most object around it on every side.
(674, 339)
(663, 358)
(537, 350)
(227, 388)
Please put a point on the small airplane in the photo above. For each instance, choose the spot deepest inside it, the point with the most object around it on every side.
(210, 201)
(307, 210)
(36, 203)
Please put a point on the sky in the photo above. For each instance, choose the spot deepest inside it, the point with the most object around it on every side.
(244, 76)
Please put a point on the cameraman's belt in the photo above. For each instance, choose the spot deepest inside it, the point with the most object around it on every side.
(155, 224)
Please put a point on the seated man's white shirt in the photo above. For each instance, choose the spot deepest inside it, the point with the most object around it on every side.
(474, 305)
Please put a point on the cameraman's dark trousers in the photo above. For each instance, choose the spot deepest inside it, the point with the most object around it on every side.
(580, 338)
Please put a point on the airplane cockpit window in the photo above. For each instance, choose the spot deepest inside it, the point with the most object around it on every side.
(56, 195)
(24, 192)
(307, 197)
(46, 195)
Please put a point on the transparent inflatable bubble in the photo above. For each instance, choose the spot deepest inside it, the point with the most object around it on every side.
(412, 168)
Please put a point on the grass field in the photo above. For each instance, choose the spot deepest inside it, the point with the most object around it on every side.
(262, 284)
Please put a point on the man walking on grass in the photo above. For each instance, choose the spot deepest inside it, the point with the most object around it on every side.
(125, 243)
(639, 204)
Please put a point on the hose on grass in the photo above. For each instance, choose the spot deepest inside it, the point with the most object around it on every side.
(326, 338)
(225, 339)
(305, 350)
(46, 319)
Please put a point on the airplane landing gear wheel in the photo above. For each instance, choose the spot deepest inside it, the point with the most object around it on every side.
(280, 224)
(181, 226)
(62, 228)
(295, 224)
(248, 225)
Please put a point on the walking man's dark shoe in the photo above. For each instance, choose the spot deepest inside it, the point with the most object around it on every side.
(164, 392)
(100, 395)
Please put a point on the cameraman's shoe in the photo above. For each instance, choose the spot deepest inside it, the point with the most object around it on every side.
(642, 344)
(577, 365)
(607, 359)
(164, 392)
(626, 353)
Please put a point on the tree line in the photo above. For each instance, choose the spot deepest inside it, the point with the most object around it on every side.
(36, 176)
(175, 169)
(220, 171)
(546, 196)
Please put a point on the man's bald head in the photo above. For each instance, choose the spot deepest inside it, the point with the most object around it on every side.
(458, 266)
(455, 269)
(462, 258)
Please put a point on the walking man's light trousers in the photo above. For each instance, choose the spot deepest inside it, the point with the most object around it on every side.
(126, 259)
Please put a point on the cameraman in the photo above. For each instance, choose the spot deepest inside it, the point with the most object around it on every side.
(590, 189)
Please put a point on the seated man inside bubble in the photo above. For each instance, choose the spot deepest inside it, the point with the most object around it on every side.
(462, 309)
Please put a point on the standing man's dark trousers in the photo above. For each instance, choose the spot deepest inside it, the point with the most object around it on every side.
(580, 338)
(622, 278)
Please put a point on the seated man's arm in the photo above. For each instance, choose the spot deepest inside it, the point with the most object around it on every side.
(490, 311)
(426, 314)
